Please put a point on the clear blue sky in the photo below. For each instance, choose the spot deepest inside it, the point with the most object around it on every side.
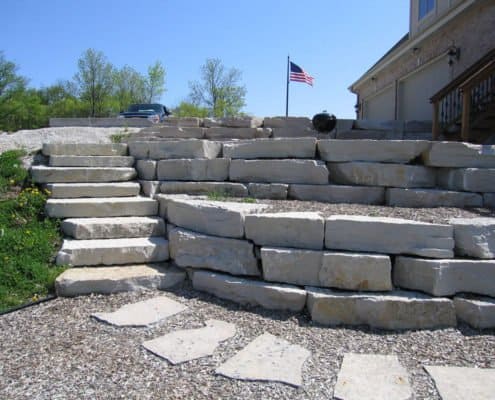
(334, 41)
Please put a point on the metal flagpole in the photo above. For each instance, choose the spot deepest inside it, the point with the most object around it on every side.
(287, 93)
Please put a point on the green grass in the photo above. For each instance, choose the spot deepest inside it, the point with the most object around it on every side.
(28, 240)
(222, 196)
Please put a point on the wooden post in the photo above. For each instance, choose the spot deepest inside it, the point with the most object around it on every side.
(436, 122)
(466, 109)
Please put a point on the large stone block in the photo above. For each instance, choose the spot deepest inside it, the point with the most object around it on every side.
(164, 200)
(42, 174)
(91, 161)
(397, 310)
(275, 191)
(183, 121)
(460, 155)
(107, 280)
(193, 169)
(377, 174)
(188, 148)
(211, 217)
(150, 188)
(220, 133)
(234, 122)
(479, 312)
(294, 132)
(428, 198)
(191, 249)
(271, 148)
(279, 171)
(247, 291)
(474, 237)
(368, 134)
(489, 200)
(78, 190)
(221, 188)
(112, 251)
(293, 229)
(338, 194)
(351, 271)
(445, 277)
(386, 151)
(84, 149)
(468, 179)
(146, 169)
(389, 236)
(175, 132)
(380, 125)
(290, 122)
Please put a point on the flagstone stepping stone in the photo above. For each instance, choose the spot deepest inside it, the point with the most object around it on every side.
(267, 358)
(372, 377)
(460, 383)
(143, 313)
(185, 345)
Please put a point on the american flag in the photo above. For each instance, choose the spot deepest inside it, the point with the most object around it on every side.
(297, 74)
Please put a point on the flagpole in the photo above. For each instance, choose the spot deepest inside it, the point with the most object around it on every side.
(287, 93)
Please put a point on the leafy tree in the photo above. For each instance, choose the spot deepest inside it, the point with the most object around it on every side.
(129, 87)
(219, 89)
(155, 82)
(94, 81)
(186, 109)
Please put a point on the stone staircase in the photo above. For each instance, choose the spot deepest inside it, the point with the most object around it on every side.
(384, 272)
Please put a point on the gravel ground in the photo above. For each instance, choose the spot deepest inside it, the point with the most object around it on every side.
(56, 351)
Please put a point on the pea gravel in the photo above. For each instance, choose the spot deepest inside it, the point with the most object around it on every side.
(55, 350)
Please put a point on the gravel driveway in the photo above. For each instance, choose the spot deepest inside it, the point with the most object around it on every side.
(55, 350)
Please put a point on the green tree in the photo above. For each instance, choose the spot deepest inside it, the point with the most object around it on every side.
(129, 87)
(219, 89)
(94, 80)
(155, 82)
(186, 109)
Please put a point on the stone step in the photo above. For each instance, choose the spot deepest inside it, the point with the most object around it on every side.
(101, 207)
(221, 188)
(85, 149)
(221, 133)
(460, 155)
(106, 280)
(394, 310)
(80, 190)
(113, 228)
(193, 169)
(477, 311)
(42, 174)
(112, 251)
(271, 148)
(249, 291)
(428, 198)
(338, 194)
(91, 161)
(467, 179)
(187, 148)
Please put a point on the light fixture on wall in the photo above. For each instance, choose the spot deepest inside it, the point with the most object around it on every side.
(454, 53)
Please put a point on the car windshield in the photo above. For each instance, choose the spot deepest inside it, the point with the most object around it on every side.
(145, 107)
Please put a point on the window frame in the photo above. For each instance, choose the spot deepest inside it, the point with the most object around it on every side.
(425, 8)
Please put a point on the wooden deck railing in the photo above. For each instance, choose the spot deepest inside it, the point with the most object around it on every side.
(465, 97)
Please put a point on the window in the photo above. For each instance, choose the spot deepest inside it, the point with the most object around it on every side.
(425, 7)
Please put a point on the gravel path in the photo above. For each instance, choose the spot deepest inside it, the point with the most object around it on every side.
(56, 351)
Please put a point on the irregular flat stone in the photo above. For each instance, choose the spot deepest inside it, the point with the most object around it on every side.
(219, 133)
(460, 155)
(42, 174)
(429, 198)
(190, 344)
(267, 358)
(84, 149)
(91, 161)
(372, 377)
(489, 200)
(479, 312)
(445, 277)
(377, 174)
(279, 171)
(293, 229)
(350, 271)
(234, 122)
(101, 207)
(211, 217)
(389, 236)
(112, 251)
(177, 132)
(113, 228)
(275, 191)
(271, 148)
(338, 194)
(251, 292)
(221, 188)
(146, 169)
(143, 313)
(456, 383)
(150, 188)
(474, 237)
(468, 179)
(385, 151)
(191, 249)
(107, 280)
(397, 310)
(188, 148)
(79, 190)
(194, 169)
